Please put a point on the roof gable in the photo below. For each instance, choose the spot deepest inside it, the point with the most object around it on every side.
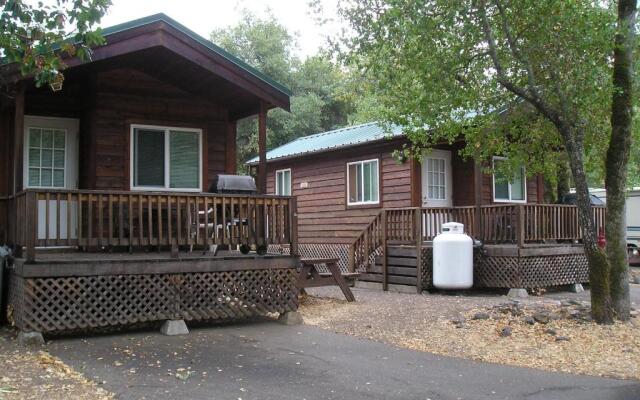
(331, 140)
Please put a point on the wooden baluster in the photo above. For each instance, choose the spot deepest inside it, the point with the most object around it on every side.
(110, 224)
(140, 222)
(90, 220)
(130, 209)
(100, 220)
(120, 220)
(47, 212)
(150, 237)
(293, 227)
(225, 236)
(216, 233)
(81, 239)
(169, 222)
(58, 220)
(69, 227)
(159, 217)
(207, 239)
(179, 219)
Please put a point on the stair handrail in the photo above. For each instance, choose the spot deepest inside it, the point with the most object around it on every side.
(367, 242)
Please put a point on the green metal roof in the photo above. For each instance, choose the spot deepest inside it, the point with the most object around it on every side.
(344, 137)
(207, 43)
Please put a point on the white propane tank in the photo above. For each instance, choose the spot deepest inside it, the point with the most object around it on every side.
(452, 258)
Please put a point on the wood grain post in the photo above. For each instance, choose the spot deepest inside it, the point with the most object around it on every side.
(351, 257)
(262, 149)
(18, 132)
(385, 272)
(520, 228)
(31, 224)
(477, 172)
(418, 230)
(293, 228)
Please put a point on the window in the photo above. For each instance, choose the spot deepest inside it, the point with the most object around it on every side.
(283, 182)
(505, 190)
(47, 149)
(166, 158)
(436, 179)
(362, 182)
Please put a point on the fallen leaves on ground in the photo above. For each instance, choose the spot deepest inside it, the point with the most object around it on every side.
(34, 374)
(566, 344)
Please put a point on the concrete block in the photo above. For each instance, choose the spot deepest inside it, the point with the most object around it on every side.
(290, 318)
(174, 327)
(517, 293)
(30, 339)
(576, 288)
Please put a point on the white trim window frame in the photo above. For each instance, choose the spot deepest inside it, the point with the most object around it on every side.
(167, 158)
(509, 184)
(362, 183)
(279, 186)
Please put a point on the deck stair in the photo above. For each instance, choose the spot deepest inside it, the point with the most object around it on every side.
(401, 267)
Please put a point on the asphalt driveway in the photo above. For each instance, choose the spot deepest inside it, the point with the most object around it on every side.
(265, 360)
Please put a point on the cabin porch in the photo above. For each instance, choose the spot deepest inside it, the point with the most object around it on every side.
(522, 245)
(95, 258)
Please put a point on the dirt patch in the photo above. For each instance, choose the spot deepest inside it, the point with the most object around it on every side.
(34, 374)
(547, 334)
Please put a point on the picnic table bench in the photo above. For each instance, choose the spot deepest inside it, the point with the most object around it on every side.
(310, 276)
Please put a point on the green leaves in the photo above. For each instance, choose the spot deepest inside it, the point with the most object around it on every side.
(39, 37)
(430, 66)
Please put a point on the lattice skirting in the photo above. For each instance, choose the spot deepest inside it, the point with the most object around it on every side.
(518, 272)
(532, 271)
(319, 250)
(62, 304)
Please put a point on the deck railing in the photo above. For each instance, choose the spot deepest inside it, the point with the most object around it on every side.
(496, 224)
(108, 219)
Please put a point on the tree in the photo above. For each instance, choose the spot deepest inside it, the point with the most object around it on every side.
(37, 38)
(618, 154)
(528, 79)
(318, 103)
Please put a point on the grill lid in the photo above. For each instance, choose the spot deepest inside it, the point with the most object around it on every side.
(233, 183)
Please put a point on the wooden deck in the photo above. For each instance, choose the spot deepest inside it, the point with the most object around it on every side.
(63, 292)
(523, 245)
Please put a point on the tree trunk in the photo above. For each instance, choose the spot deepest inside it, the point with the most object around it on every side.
(601, 304)
(618, 157)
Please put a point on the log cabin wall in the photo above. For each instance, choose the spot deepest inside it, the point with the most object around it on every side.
(323, 214)
(108, 102)
(125, 97)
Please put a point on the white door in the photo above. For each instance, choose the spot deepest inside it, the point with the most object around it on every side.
(51, 162)
(436, 190)
(436, 179)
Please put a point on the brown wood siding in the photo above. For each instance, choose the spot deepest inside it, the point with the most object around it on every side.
(126, 97)
(323, 214)
(324, 217)
(108, 102)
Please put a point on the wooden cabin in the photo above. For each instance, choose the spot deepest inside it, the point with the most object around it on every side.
(105, 188)
(357, 202)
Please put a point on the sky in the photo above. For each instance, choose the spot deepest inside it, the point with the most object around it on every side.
(203, 16)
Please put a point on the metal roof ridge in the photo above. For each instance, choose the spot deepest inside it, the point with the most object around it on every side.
(346, 128)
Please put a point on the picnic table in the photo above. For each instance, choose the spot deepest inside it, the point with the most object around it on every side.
(310, 276)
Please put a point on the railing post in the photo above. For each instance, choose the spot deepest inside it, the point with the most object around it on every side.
(351, 257)
(520, 228)
(31, 222)
(293, 228)
(418, 230)
(385, 277)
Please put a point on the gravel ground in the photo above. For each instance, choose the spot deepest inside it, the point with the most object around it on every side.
(445, 324)
(34, 374)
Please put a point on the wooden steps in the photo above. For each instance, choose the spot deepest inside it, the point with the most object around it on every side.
(401, 267)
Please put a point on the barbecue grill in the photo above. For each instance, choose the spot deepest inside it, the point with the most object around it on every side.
(230, 184)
